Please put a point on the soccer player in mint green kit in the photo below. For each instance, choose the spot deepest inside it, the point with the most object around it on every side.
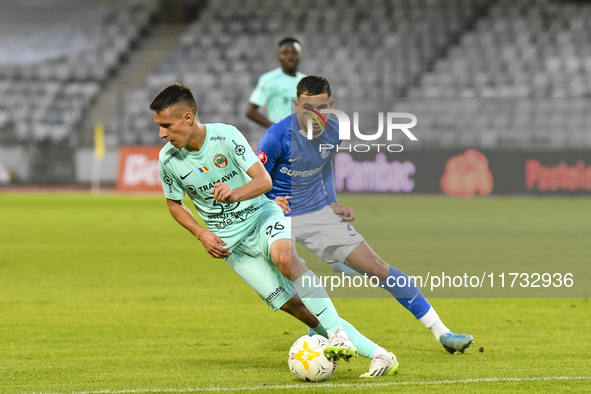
(215, 166)
(276, 88)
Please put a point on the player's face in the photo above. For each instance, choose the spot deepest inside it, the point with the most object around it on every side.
(289, 57)
(308, 107)
(175, 126)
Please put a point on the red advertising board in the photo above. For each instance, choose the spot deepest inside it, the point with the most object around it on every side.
(557, 177)
(138, 168)
(466, 175)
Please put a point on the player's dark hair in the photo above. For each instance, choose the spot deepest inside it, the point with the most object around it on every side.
(288, 40)
(313, 85)
(172, 96)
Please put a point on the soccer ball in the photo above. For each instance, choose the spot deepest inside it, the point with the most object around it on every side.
(307, 361)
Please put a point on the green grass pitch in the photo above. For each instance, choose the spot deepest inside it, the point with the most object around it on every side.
(109, 294)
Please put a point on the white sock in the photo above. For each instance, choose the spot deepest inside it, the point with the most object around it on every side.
(380, 351)
(432, 321)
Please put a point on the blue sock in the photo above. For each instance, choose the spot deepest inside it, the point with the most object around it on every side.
(408, 294)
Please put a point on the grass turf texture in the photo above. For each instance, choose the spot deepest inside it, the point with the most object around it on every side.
(110, 293)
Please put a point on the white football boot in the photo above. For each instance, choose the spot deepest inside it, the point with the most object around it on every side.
(339, 346)
(382, 365)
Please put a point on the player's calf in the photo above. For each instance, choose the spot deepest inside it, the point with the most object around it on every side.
(297, 309)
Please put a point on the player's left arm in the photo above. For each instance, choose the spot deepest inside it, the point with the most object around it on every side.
(346, 213)
(239, 151)
(260, 183)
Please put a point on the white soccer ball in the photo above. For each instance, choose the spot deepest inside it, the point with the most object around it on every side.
(307, 361)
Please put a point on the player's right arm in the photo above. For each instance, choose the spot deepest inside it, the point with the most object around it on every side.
(253, 113)
(258, 99)
(174, 193)
(211, 242)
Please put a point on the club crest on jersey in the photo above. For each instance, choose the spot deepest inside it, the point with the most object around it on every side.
(324, 153)
(262, 157)
(220, 161)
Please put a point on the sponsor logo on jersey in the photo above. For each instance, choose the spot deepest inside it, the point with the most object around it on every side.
(176, 152)
(225, 178)
(301, 174)
(262, 157)
(183, 177)
(217, 138)
(220, 161)
(231, 216)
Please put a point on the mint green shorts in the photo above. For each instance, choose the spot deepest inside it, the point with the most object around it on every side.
(251, 260)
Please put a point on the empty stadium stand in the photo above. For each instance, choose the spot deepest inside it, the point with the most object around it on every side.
(480, 73)
(367, 48)
(46, 99)
(423, 50)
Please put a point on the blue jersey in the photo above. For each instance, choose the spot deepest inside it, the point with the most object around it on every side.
(296, 165)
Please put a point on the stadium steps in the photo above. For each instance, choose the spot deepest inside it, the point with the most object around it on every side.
(444, 53)
(142, 61)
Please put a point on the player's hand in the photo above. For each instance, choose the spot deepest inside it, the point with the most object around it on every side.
(214, 245)
(283, 203)
(346, 213)
(222, 192)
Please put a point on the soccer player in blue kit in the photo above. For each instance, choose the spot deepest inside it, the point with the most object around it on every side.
(304, 173)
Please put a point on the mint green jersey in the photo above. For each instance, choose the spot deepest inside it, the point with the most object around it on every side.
(225, 157)
(275, 89)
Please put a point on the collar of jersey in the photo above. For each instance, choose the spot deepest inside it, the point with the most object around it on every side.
(200, 151)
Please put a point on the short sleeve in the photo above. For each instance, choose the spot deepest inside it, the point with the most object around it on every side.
(173, 190)
(240, 150)
(260, 94)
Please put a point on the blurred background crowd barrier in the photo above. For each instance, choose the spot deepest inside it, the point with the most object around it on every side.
(505, 79)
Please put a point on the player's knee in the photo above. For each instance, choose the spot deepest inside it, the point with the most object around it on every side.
(380, 268)
(282, 260)
(281, 255)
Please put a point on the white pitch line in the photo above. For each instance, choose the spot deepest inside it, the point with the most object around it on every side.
(306, 386)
